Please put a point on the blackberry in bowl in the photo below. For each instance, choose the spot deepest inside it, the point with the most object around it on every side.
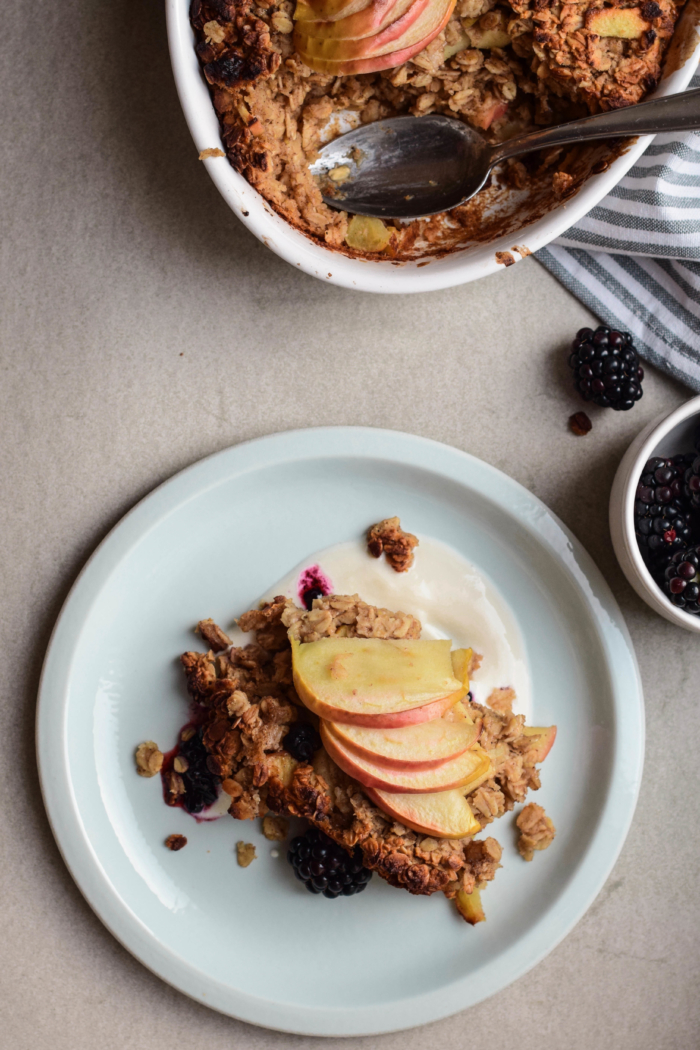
(662, 515)
(663, 446)
(324, 867)
(682, 580)
(606, 368)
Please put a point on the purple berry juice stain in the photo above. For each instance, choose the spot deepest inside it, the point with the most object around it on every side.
(313, 583)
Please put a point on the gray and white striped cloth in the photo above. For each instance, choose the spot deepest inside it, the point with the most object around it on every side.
(634, 260)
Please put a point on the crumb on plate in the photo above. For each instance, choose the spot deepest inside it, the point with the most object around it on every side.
(245, 853)
(149, 759)
(176, 842)
(276, 829)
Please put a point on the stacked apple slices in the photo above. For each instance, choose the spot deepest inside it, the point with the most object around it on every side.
(346, 37)
(391, 719)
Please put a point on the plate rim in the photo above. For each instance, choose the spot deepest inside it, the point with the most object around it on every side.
(61, 805)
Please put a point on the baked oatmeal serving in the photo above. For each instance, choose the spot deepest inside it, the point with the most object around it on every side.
(344, 714)
(286, 76)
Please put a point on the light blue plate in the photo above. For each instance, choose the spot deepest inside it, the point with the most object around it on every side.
(252, 942)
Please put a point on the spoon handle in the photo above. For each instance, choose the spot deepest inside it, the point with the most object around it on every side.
(673, 113)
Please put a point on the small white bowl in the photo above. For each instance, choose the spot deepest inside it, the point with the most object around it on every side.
(431, 273)
(664, 436)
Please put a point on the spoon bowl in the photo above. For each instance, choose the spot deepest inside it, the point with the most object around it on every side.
(404, 167)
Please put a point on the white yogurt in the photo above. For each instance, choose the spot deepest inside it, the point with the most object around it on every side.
(448, 594)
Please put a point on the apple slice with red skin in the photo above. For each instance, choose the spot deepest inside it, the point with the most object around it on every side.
(422, 746)
(406, 47)
(378, 17)
(328, 10)
(367, 22)
(466, 771)
(386, 720)
(487, 114)
(379, 683)
(440, 814)
(547, 735)
(410, 28)
(340, 48)
(458, 713)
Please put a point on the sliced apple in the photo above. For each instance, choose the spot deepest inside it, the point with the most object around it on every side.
(442, 814)
(410, 28)
(489, 112)
(328, 10)
(461, 659)
(422, 746)
(377, 16)
(352, 59)
(282, 766)
(469, 906)
(366, 233)
(458, 713)
(376, 682)
(461, 43)
(547, 735)
(625, 23)
(466, 771)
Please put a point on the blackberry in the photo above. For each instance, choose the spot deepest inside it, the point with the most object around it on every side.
(301, 741)
(606, 368)
(682, 580)
(325, 867)
(201, 785)
(310, 594)
(691, 487)
(662, 520)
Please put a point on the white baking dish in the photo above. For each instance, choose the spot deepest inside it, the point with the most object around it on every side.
(372, 275)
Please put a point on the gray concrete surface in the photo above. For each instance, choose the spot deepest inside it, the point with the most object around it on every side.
(142, 328)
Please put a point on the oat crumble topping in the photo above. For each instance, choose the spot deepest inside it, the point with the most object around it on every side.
(347, 616)
(389, 538)
(536, 830)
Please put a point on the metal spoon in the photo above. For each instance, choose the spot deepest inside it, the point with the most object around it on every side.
(406, 167)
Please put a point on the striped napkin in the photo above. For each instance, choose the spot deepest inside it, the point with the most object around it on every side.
(634, 260)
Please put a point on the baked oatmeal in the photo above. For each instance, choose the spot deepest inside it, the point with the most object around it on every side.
(338, 713)
(248, 704)
(503, 66)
